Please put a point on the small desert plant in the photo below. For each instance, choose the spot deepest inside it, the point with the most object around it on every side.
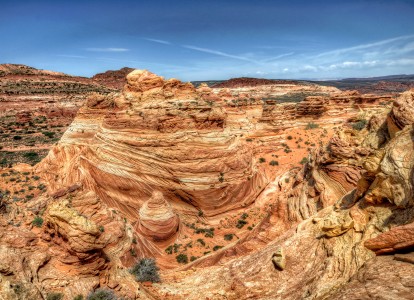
(54, 296)
(274, 163)
(262, 159)
(101, 228)
(217, 247)
(228, 237)
(289, 137)
(201, 241)
(182, 258)
(311, 126)
(240, 223)
(37, 221)
(78, 297)
(304, 161)
(146, 270)
(360, 124)
(101, 294)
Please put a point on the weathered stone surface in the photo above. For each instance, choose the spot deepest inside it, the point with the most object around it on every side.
(397, 239)
(157, 219)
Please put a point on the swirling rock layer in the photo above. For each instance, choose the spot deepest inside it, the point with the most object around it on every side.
(157, 219)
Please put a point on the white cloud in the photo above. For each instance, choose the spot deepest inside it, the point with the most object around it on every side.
(158, 41)
(219, 53)
(366, 46)
(107, 49)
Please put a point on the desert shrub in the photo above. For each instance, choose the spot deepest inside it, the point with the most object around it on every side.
(101, 294)
(31, 155)
(101, 228)
(201, 241)
(360, 124)
(274, 163)
(146, 270)
(182, 258)
(193, 258)
(169, 249)
(240, 223)
(17, 137)
(217, 247)
(37, 221)
(133, 252)
(289, 137)
(49, 134)
(78, 297)
(228, 237)
(262, 159)
(244, 216)
(311, 126)
(304, 161)
(54, 296)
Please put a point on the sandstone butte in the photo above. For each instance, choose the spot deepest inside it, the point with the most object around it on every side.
(234, 195)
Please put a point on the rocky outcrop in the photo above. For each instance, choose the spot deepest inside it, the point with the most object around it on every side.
(113, 79)
(141, 145)
(402, 111)
(400, 238)
(157, 219)
(326, 255)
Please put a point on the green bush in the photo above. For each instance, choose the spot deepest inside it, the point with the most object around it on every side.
(360, 124)
(201, 241)
(262, 159)
(49, 134)
(182, 258)
(304, 161)
(169, 249)
(37, 221)
(54, 296)
(228, 237)
(146, 270)
(31, 155)
(274, 163)
(101, 294)
(78, 297)
(311, 126)
(240, 223)
(215, 248)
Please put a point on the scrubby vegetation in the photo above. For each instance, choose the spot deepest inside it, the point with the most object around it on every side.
(101, 294)
(311, 126)
(182, 258)
(54, 296)
(360, 124)
(37, 221)
(146, 270)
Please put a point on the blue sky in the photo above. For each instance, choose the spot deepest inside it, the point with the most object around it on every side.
(201, 40)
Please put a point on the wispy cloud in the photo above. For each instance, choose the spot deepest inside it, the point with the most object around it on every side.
(277, 57)
(366, 46)
(107, 49)
(219, 53)
(71, 56)
(158, 41)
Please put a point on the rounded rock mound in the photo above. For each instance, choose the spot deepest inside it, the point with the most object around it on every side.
(157, 218)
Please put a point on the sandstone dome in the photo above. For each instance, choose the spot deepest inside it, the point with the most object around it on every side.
(157, 218)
